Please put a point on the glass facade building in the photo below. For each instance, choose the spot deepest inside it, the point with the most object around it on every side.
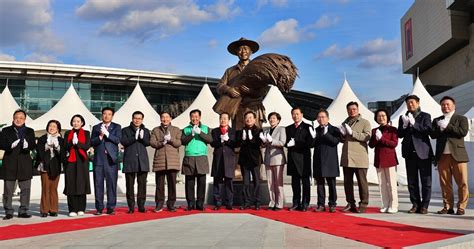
(37, 87)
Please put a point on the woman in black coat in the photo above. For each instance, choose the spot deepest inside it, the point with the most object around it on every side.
(50, 158)
(325, 160)
(76, 170)
(223, 162)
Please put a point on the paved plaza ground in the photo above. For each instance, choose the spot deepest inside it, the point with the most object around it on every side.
(234, 230)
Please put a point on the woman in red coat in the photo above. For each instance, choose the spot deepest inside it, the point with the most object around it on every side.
(384, 139)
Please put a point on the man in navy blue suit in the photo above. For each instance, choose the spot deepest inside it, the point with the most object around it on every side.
(414, 127)
(105, 139)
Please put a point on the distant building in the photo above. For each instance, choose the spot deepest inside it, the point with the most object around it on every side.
(37, 87)
(390, 106)
(438, 42)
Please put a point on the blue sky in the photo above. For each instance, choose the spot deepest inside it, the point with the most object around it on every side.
(325, 38)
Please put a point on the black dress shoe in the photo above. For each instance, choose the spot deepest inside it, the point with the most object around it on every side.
(244, 207)
(413, 209)
(332, 209)
(8, 216)
(362, 209)
(24, 215)
(446, 211)
(200, 208)
(111, 211)
(304, 209)
(257, 207)
(216, 208)
(172, 209)
(320, 209)
(189, 208)
(43, 215)
(141, 210)
(276, 209)
(294, 208)
(53, 214)
(229, 208)
(99, 212)
(423, 211)
(130, 211)
(350, 208)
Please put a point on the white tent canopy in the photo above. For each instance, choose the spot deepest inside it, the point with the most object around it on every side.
(137, 102)
(204, 102)
(470, 117)
(276, 102)
(69, 105)
(427, 103)
(8, 106)
(337, 109)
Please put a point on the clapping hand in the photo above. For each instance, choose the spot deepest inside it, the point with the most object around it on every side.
(250, 135)
(269, 137)
(442, 123)
(348, 129)
(75, 140)
(312, 131)
(342, 130)
(405, 121)
(411, 119)
(244, 135)
(291, 143)
(263, 137)
(137, 134)
(378, 134)
(15, 143)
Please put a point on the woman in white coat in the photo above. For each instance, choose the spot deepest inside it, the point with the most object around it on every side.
(274, 139)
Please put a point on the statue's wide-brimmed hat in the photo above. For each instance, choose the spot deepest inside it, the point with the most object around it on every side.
(233, 47)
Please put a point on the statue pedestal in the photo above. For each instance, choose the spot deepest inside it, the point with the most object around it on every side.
(238, 186)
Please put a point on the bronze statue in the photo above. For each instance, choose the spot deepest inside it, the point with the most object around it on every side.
(244, 86)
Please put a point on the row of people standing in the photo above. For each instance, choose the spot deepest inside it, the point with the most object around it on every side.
(72, 152)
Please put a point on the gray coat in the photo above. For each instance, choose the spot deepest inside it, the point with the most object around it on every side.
(274, 154)
(135, 157)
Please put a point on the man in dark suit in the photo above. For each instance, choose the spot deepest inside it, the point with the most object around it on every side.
(449, 131)
(223, 162)
(325, 160)
(250, 160)
(17, 141)
(105, 139)
(135, 139)
(414, 127)
(298, 142)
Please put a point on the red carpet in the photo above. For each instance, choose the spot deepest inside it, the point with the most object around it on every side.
(374, 232)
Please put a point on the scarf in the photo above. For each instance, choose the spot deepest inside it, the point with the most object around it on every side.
(224, 129)
(350, 121)
(20, 131)
(81, 137)
(416, 112)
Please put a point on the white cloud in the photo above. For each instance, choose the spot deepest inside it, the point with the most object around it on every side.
(284, 32)
(45, 58)
(212, 43)
(274, 3)
(337, 1)
(326, 21)
(373, 53)
(146, 18)
(6, 57)
(28, 23)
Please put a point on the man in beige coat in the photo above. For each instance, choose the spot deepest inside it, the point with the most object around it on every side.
(355, 132)
(166, 139)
